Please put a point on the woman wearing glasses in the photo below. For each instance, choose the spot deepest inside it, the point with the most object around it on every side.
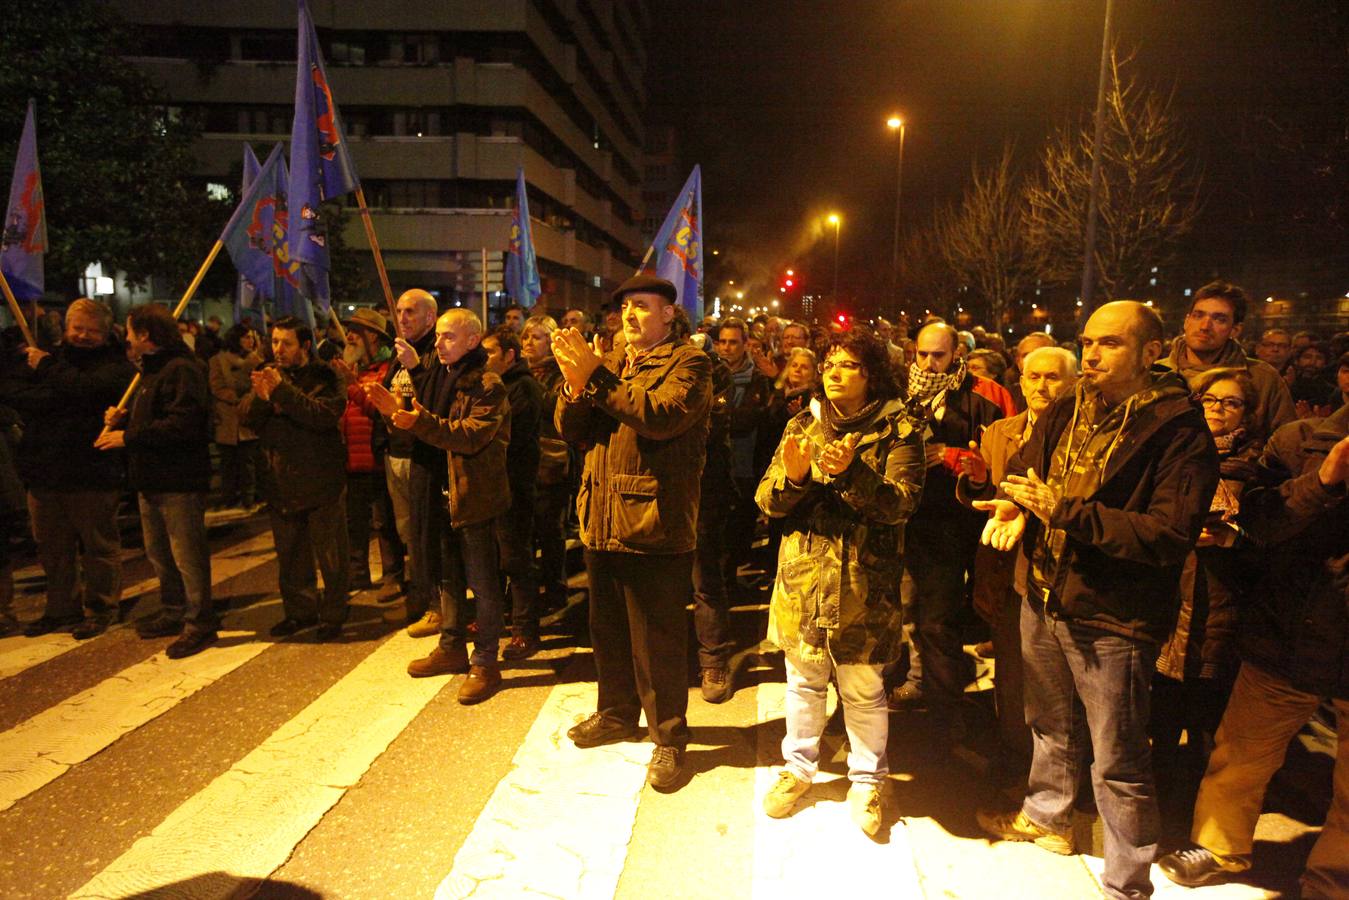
(1196, 667)
(843, 481)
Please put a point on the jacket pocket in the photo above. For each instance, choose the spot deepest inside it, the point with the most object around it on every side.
(636, 510)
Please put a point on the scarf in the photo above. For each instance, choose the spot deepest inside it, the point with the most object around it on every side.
(924, 386)
(833, 423)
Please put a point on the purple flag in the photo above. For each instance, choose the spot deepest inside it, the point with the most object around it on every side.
(24, 238)
(677, 252)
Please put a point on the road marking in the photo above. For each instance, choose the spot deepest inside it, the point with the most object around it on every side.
(248, 821)
(559, 822)
(19, 653)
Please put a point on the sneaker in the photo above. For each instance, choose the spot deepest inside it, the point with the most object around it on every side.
(1017, 826)
(864, 806)
(47, 624)
(984, 649)
(159, 627)
(782, 796)
(328, 632)
(1196, 866)
(286, 627)
(906, 696)
(716, 684)
(191, 643)
(441, 662)
(520, 648)
(482, 682)
(91, 627)
(427, 626)
(663, 772)
(598, 729)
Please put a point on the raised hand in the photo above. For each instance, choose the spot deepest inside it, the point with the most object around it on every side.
(406, 418)
(384, 402)
(973, 465)
(796, 457)
(1005, 524)
(1335, 467)
(838, 455)
(406, 353)
(1032, 494)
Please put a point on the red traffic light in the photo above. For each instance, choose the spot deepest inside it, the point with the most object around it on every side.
(789, 282)
(842, 319)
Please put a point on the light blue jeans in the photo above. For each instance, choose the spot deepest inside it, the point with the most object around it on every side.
(862, 692)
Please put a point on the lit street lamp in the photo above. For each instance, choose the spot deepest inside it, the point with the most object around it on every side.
(895, 123)
(838, 226)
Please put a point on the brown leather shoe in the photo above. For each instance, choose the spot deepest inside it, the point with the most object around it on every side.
(481, 683)
(440, 662)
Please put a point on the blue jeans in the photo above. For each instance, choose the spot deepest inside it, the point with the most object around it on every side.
(472, 562)
(861, 689)
(174, 526)
(1087, 689)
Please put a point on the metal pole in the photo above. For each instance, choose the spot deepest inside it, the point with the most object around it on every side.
(838, 226)
(899, 193)
(1093, 201)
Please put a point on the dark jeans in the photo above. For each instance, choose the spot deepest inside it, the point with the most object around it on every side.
(303, 538)
(711, 603)
(430, 521)
(369, 509)
(238, 473)
(515, 542)
(938, 552)
(550, 534)
(741, 515)
(640, 635)
(1087, 692)
(174, 526)
(472, 562)
(62, 522)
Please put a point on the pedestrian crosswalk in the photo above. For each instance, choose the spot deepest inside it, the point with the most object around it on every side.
(292, 769)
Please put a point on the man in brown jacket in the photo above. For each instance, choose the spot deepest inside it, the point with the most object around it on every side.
(643, 411)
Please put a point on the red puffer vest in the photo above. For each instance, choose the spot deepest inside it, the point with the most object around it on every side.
(358, 424)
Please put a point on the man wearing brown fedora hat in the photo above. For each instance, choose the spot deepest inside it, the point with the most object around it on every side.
(642, 409)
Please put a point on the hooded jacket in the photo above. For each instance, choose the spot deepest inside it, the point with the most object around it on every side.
(1275, 405)
(1295, 613)
(837, 587)
(1126, 541)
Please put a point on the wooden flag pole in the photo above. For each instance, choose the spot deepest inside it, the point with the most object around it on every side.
(19, 318)
(177, 312)
(484, 287)
(374, 248)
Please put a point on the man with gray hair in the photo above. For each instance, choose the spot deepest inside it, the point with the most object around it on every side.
(1011, 379)
(73, 488)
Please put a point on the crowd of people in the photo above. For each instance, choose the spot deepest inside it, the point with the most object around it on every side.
(1145, 532)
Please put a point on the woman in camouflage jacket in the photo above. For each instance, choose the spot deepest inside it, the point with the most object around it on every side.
(845, 478)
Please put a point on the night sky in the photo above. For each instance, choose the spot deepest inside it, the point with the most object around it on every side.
(784, 102)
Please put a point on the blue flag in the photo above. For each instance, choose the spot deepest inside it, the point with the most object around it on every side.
(24, 238)
(677, 252)
(255, 236)
(247, 293)
(522, 268)
(320, 166)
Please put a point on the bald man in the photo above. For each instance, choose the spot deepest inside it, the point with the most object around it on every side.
(1106, 500)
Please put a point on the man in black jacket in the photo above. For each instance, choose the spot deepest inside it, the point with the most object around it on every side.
(73, 488)
(167, 435)
(296, 408)
(1295, 654)
(1115, 483)
(515, 527)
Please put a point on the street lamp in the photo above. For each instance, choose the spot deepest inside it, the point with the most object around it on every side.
(895, 123)
(838, 227)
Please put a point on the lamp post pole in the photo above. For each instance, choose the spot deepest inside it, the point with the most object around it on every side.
(838, 227)
(1093, 200)
(895, 123)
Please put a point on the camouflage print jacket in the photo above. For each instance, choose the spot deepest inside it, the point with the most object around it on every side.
(837, 588)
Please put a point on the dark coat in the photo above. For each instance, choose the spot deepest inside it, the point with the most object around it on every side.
(522, 456)
(1295, 615)
(401, 442)
(1126, 543)
(168, 430)
(966, 415)
(300, 438)
(472, 437)
(647, 435)
(62, 404)
(555, 455)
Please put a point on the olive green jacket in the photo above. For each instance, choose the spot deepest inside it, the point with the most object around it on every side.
(837, 588)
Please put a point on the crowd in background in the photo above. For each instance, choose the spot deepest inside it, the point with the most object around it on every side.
(1144, 529)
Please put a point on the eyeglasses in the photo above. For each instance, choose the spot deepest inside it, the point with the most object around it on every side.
(1230, 404)
(846, 365)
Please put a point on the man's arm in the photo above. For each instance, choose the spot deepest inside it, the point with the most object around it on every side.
(319, 409)
(664, 411)
(465, 436)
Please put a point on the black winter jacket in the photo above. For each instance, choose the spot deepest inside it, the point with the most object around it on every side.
(522, 456)
(62, 404)
(300, 435)
(1127, 542)
(168, 431)
(1295, 615)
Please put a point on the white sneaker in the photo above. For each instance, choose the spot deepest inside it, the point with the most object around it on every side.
(782, 796)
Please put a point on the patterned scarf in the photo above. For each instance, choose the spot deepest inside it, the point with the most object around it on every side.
(833, 424)
(924, 386)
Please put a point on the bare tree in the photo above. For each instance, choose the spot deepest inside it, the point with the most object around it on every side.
(925, 280)
(983, 238)
(1149, 191)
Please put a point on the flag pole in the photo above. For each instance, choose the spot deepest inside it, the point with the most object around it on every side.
(19, 318)
(374, 248)
(484, 287)
(177, 311)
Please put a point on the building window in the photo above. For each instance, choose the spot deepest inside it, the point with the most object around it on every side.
(414, 48)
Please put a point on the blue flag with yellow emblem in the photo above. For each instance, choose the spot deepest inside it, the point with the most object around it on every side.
(677, 252)
(320, 165)
(256, 236)
(522, 267)
(24, 238)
